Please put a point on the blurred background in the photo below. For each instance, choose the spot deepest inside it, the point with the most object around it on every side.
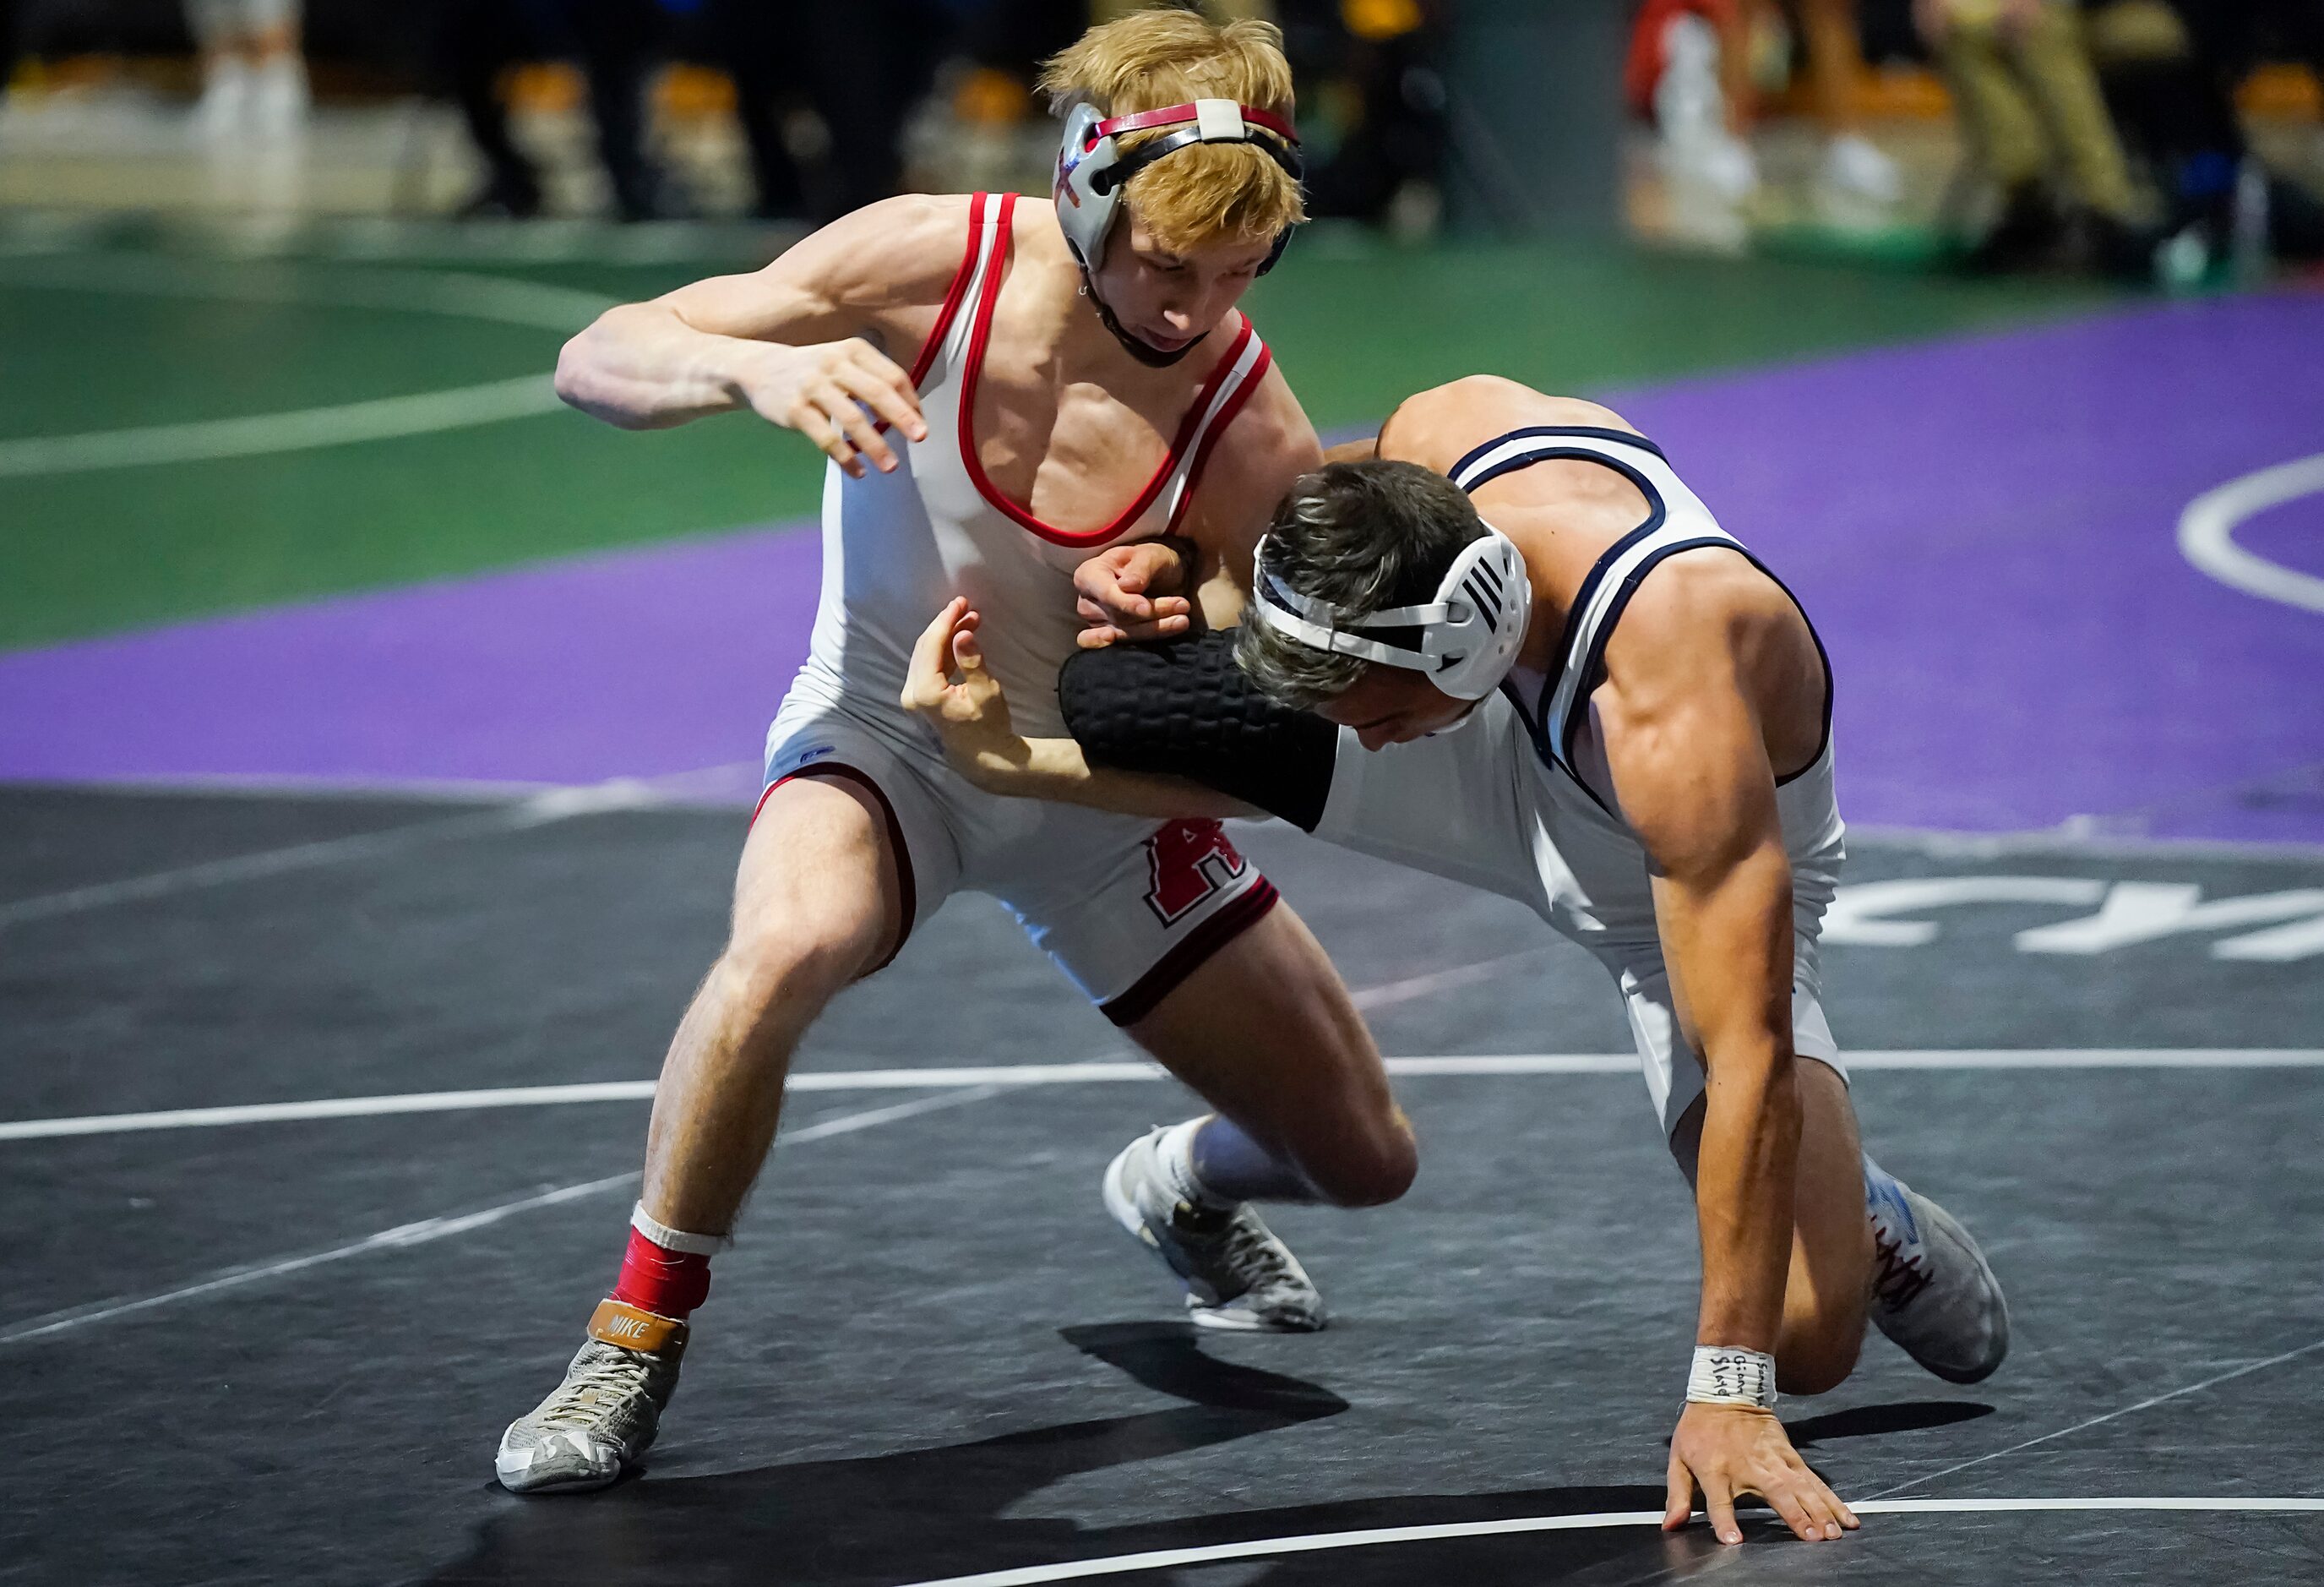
(1955, 308)
(372, 724)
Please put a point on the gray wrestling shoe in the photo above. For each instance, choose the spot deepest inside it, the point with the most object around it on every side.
(606, 1412)
(1237, 1274)
(1932, 1292)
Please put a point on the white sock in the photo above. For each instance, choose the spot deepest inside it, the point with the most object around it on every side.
(1175, 1153)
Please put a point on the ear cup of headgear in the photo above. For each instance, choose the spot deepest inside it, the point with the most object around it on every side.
(1086, 190)
(1489, 601)
(1467, 637)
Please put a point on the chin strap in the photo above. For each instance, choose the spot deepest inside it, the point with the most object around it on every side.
(1151, 356)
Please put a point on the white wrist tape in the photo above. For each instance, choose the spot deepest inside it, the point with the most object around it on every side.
(669, 1238)
(1722, 1376)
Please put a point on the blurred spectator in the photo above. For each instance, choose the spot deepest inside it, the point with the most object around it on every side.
(1374, 108)
(1693, 70)
(858, 67)
(1688, 72)
(2170, 73)
(2028, 98)
(479, 40)
(252, 78)
(1853, 167)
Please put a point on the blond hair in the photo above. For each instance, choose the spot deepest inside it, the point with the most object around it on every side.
(1211, 192)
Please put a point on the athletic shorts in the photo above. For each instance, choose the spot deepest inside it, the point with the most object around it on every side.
(1478, 805)
(1126, 906)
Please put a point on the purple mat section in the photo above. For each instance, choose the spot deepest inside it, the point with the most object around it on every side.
(1985, 533)
(638, 663)
(1982, 530)
(2290, 536)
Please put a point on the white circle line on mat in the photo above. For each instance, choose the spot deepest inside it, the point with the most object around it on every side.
(1269, 1547)
(2207, 533)
(1115, 1072)
(456, 293)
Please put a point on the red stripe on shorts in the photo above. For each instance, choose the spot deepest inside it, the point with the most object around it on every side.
(1238, 916)
(907, 894)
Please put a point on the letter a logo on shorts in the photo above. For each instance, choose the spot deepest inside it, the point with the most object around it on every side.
(1188, 861)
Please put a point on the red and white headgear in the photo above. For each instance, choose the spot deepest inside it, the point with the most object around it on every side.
(1092, 167)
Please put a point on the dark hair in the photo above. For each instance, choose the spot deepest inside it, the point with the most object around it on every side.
(1364, 537)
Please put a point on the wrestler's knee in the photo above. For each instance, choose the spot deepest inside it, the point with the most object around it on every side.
(1815, 1356)
(1368, 1165)
(808, 953)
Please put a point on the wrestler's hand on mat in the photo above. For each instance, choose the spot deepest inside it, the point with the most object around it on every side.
(834, 393)
(1732, 1450)
(1127, 593)
(971, 713)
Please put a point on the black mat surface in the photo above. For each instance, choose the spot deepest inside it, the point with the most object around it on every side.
(932, 1356)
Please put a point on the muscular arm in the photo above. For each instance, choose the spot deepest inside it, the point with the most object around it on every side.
(1691, 774)
(1686, 743)
(1058, 768)
(800, 342)
(1161, 730)
(1269, 445)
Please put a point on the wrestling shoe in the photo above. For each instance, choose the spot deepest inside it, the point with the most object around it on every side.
(1932, 1292)
(606, 1412)
(1237, 1274)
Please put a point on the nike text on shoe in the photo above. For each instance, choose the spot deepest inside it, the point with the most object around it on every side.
(1237, 1274)
(604, 1416)
(1932, 1292)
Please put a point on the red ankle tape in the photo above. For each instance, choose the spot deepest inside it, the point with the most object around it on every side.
(667, 1283)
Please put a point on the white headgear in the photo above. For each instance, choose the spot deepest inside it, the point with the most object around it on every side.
(1467, 637)
(1091, 168)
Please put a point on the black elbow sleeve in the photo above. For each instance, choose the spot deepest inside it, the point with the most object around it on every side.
(1182, 709)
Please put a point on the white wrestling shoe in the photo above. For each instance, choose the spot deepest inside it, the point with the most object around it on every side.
(598, 1422)
(1237, 1274)
(1855, 168)
(1932, 1292)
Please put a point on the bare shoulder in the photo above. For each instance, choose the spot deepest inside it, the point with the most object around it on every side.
(878, 272)
(1272, 433)
(1268, 444)
(1690, 624)
(1435, 428)
(897, 252)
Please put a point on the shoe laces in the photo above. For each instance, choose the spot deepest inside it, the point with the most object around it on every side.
(598, 1381)
(1897, 1279)
(1239, 1243)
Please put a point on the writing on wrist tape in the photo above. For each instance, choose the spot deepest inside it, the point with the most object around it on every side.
(1722, 1376)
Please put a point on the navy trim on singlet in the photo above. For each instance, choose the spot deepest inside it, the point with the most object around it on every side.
(1536, 716)
(1594, 663)
(1593, 432)
(1537, 719)
(1823, 659)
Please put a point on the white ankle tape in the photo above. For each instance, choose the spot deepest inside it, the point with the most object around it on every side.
(1722, 1376)
(669, 1238)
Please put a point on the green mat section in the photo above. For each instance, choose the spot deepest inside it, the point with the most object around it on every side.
(1357, 324)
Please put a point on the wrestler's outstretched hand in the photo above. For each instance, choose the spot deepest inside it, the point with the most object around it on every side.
(949, 687)
(837, 394)
(1132, 593)
(1732, 1450)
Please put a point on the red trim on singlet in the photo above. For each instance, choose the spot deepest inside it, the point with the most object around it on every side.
(975, 465)
(959, 290)
(908, 898)
(1210, 436)
(1238, 916)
